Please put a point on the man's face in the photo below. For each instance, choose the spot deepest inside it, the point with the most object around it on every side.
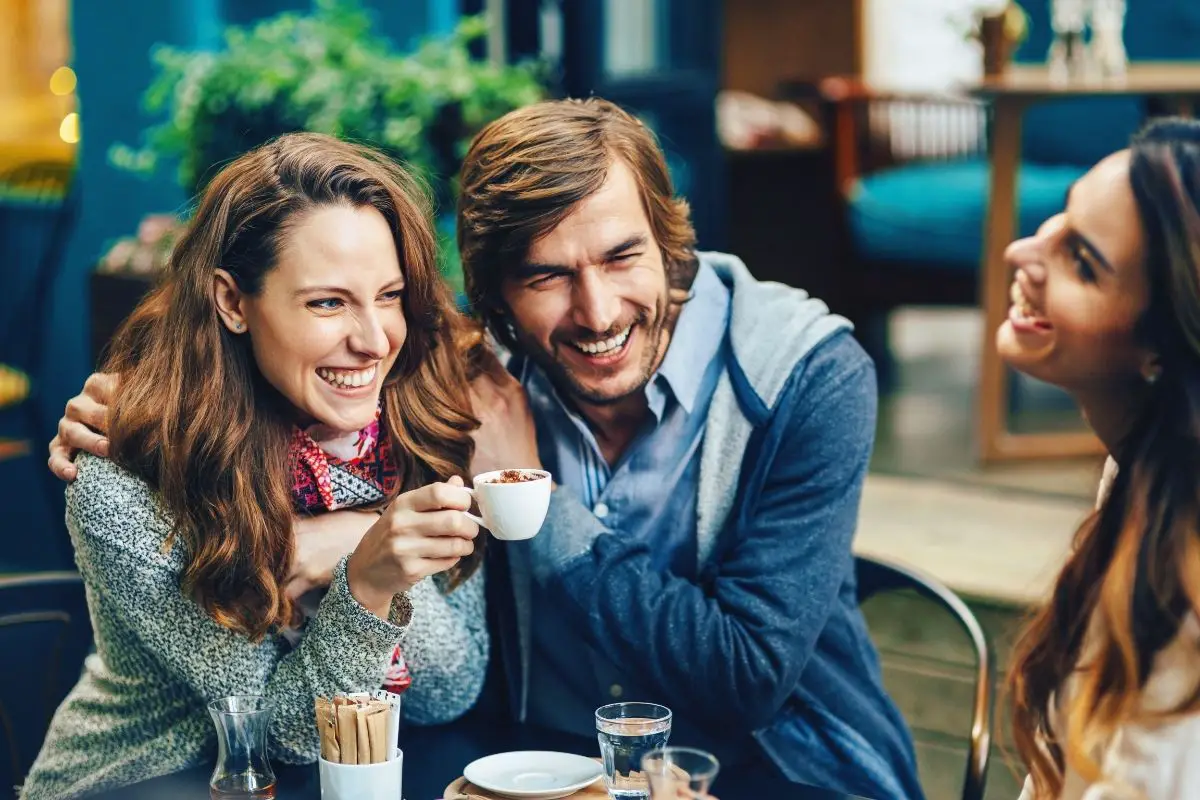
(589, 303)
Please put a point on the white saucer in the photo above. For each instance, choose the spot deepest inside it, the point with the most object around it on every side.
(533, 774)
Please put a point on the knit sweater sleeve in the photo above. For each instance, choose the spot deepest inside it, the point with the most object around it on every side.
(446, 648)
(119, 530)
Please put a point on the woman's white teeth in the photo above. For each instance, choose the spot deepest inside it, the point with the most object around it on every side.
(613, 343)
(1023, 306)
(347, 377)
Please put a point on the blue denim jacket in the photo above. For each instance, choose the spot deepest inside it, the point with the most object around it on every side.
(768, 644)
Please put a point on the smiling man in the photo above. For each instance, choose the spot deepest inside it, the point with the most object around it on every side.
(709, 435)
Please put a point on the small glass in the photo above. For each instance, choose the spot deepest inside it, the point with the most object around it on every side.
(627, 731)
(680, 773)
(242, 769)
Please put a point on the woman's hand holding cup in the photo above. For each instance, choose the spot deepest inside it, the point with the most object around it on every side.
(422, 533)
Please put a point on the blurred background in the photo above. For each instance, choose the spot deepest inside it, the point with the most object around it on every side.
(847, 147)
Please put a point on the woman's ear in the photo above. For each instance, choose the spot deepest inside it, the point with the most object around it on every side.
(229, 301)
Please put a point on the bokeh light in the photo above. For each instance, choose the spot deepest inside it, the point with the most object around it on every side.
(68, 131)
(62, 82)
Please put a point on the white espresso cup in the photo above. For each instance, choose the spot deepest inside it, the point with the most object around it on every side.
(363, 781)
(515, 510)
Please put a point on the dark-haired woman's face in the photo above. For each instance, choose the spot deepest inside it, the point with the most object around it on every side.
(1080, 287)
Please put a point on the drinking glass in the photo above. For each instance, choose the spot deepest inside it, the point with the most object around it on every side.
(242, 769)
(627, 731)
(679, 773)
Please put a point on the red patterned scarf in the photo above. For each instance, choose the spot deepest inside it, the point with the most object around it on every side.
(344, 472)
(364, 470)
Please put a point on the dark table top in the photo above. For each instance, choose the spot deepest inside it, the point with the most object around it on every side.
(435, 756)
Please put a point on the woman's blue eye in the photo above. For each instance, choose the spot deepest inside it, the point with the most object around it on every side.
(396, 295)
(326, 303)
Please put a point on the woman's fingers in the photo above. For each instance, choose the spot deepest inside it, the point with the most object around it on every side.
(431, 524)
(434, 497)
(431, 547)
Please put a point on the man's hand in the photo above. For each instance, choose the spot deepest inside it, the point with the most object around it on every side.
(83, 425)
(321, 541)
(507, 439)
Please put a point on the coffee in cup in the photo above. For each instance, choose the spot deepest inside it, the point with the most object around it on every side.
(512, 502)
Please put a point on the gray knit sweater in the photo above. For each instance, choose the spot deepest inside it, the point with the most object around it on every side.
(139, 709)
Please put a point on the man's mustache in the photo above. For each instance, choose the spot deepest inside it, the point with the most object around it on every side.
(589, 336)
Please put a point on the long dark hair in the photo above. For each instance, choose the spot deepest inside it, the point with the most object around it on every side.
(1135, 571)
(195, 418)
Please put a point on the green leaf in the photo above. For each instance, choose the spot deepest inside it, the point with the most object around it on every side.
(326, 71)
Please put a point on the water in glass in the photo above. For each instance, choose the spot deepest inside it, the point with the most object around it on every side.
(626, 732)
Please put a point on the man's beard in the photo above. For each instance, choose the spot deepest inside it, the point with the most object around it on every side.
(570, 387)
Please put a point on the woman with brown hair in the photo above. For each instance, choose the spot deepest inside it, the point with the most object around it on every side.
(296, 390)
(1105, 686)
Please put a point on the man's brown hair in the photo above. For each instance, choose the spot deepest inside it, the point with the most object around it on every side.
(527, 171)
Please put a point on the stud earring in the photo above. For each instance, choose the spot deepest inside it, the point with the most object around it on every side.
(237, 326)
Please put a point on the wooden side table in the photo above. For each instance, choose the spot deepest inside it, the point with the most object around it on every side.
(1178, 86)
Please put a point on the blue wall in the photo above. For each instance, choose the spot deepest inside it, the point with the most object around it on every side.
(112, 41)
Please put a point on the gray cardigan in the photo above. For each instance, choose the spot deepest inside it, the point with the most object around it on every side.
(139, 709)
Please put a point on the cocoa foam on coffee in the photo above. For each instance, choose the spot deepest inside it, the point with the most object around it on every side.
(515, 476)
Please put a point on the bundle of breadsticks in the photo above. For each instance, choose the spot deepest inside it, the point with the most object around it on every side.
(359, 728)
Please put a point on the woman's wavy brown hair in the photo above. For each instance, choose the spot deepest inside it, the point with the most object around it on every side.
(1134, 574)
(195, 418)
(527, 171)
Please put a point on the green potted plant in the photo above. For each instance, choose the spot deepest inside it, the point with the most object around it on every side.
(326, 71)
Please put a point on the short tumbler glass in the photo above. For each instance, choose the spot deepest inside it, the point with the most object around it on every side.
(680, 773)
(242, 769)
(627, 731)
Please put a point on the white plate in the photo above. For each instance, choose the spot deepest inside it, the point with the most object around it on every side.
(533, 774)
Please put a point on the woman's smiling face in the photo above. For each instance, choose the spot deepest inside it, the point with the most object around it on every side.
(328, 323)
(1080, 287)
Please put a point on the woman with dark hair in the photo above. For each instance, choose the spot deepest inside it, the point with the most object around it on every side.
(1105, 686)
(297, 390)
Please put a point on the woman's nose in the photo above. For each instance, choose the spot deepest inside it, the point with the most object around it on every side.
(1025, 255)
(370, 338)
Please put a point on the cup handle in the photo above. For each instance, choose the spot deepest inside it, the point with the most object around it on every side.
(477, 520)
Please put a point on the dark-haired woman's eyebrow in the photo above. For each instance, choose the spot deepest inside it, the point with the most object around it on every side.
(1085, 244)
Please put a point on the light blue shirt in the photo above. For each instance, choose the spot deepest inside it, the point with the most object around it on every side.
(650, 493)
